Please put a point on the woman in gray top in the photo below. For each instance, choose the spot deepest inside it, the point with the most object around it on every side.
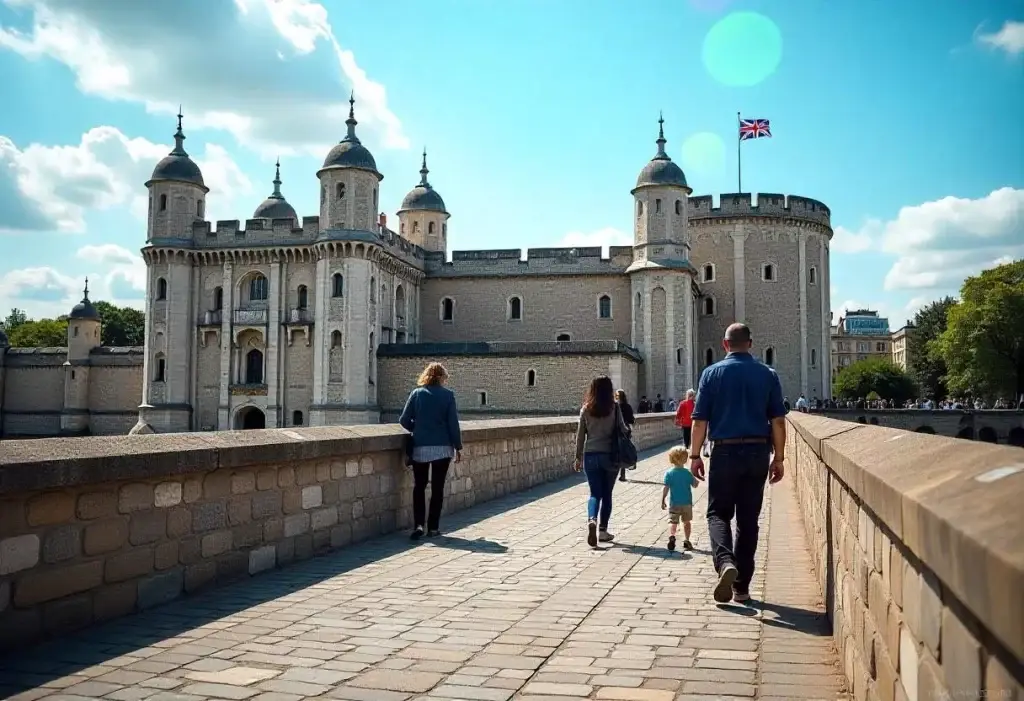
(600, 422)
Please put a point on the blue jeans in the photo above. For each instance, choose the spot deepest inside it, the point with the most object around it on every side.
(601, 477)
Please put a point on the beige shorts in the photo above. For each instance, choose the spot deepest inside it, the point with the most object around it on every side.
(677, 513)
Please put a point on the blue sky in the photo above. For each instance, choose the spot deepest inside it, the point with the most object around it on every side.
(537, 115)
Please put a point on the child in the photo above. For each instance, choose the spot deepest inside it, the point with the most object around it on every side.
(679, 484)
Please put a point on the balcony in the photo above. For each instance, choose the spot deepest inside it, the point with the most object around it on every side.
(251, 317)
(212, 317)
(248, 389)
(301, 317)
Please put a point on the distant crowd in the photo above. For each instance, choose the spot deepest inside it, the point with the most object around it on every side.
(924, 404)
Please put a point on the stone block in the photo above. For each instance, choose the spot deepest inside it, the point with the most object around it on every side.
(54, 583)
(106, 536)
(285, 476)
(217, 485)
(999, 683)
(129, 565)
(266, 504)
(323, 471)
(896, 565)
(179, 521)
(296, 524)
(199, 575)
(50, 508)
(273, 530)
(114, 600)
(160, 588)
(305, 474)
(291, 500)
(147, 526)
(366, 465)
(324, 518)
(962, 656)
(912, 586)
(321, 541)
(909, 660)
(261, 559)
(891, 634)
(351, 467)
(931, 614)
(357, 509)
(303, 546)
(135, 497)
(930, 682)
(239, 510)
(192, 491)
(19, 553)
(94, 505)
(68, 614)
(12, 518)
(312, 496)
(337, 469)
(214, 544)
(286, 551)
(341, 535)
(232, 565)
(266, 479)
(62, 543)
(878, 600)
(209, 516)
(167, 494)
(886, 679)
(166, 555)
(243, 482)
(247, 535)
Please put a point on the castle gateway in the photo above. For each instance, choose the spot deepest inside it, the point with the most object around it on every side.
(328, 319)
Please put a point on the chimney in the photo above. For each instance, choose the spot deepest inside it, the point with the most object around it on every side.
(383, 221)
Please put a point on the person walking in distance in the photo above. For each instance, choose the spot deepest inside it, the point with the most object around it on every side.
(629, 419)
(739, 407)
(600, 423)
(684, 417)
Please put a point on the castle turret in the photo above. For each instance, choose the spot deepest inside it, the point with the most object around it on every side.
(275, 206)
(423, 217)
(348, 183)
(84, 325)
(177, 194)
(661, 277)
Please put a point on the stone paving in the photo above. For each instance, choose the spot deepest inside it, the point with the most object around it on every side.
(510, 604)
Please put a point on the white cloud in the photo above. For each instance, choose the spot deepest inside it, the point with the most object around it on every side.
(604, 238)
(49, 188)
(124, 279)
(271, 72)
(42, 284)
(1009, 38)
(846, 241)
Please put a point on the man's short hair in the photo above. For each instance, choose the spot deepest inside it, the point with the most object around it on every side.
(737, 334)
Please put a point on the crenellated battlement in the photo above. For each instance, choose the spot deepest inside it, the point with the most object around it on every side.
(586, 260)
(229, 232)
(769, 204)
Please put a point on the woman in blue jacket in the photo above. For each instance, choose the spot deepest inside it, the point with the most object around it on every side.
(432, 418)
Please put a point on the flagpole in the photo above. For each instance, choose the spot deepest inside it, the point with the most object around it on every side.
(739, 156)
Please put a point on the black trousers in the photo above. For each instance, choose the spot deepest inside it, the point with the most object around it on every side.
(434, 472)
(736, 481)
(687, 434)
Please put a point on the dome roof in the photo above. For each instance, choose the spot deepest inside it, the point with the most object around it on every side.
(350, 152)
(177, 165)
(423, 197)
(275, 206)
(661, 170)
(85, 308)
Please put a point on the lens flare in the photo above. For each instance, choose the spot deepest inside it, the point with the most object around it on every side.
(704, 152)
(742, 49)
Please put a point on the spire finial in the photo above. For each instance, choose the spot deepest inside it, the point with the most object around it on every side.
(179, 138)
(424, 170)
(277, 181)
(351, 121)
(661, 136)
(86, 293)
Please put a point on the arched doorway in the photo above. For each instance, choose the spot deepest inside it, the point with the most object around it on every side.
(250, 418)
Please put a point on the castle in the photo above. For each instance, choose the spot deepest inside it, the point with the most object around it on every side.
(328, 319)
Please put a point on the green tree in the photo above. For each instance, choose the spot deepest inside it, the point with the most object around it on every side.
(122, 326)
(924, 362)
(46, 333)
(874, 375)
(15, 319)
(983, 344)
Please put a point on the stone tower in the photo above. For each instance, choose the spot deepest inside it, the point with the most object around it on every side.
(177, 199)
(423, 219)
(661, 277)
(4, 344)
(348, 247)
(83, 335)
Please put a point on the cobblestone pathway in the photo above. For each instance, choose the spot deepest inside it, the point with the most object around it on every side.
(511, 604)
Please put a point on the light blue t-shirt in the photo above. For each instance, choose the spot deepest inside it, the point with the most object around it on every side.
(680, 483)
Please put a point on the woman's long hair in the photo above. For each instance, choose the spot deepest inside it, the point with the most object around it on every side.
(433, 374)
(620, 397)
(600, 397)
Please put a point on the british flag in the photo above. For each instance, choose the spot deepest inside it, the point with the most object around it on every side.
(754, 129)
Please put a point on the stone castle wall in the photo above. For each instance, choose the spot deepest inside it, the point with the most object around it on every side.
(98, 528)
(919, 550)
(1004, 425)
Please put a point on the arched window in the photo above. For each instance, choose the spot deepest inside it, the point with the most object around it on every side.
(373, 289)
(563, 338)
(707, 273)
(400, 303)
(200, 209)
(160, 374)
(430, 228)
(258, 289)
(812, 275)
(679, 206)
(604, 307)
(444, 230)
(709, 306)
(639, 209)
(769, 356)
(339, 191)
(709, 357)
(296, 418)
(374, 199)
(372, 354)
(161, 288)
(679, 356)
(303, 297)
(337, 285)
(657, 206)
(415, 227)
(448, 309)
(218, 298)
(254, 367)
(639, 302)
(768, 272)
(531, 378)
(515, 309)
(814, 357)
(401, 227)
(336, 339)
(323, 194)
(163, 202)
(75, 334)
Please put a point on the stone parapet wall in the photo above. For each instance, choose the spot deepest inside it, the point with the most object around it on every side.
(1008, 425)
(92, 529)
(918, 546)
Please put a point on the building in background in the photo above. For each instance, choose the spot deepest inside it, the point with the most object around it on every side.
(859, 335)
(900, 337)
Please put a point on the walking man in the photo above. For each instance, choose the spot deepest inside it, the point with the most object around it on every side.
(740, 409)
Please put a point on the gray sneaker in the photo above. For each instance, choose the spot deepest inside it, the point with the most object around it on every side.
(723, 590)
(605, 537)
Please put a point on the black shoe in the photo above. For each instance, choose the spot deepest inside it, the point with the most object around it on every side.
(622, 479)
(671, 542)
(592, 534)
(417, 533)
(433, 533)
(687, 545)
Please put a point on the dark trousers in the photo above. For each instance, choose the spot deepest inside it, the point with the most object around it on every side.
(436, 471)
(736, 481)
(687, 435)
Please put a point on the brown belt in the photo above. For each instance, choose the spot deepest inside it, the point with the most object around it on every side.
(741, 441)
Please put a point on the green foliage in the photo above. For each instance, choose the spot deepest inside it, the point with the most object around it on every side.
(46, 333)
(872, 396)
(983, 343)
(15, 319)
(874, 376)
(925, 362)
(122, 326)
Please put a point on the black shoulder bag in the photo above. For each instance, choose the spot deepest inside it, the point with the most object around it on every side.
(624, 452)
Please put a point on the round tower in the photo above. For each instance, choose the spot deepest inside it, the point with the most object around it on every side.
(349, 181)
(4, 345)
(423, 219)
(661, 277)
(177, 194)
(83, 335)
(275, 206)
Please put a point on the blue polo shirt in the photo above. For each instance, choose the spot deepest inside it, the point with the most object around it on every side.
(738, 397)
